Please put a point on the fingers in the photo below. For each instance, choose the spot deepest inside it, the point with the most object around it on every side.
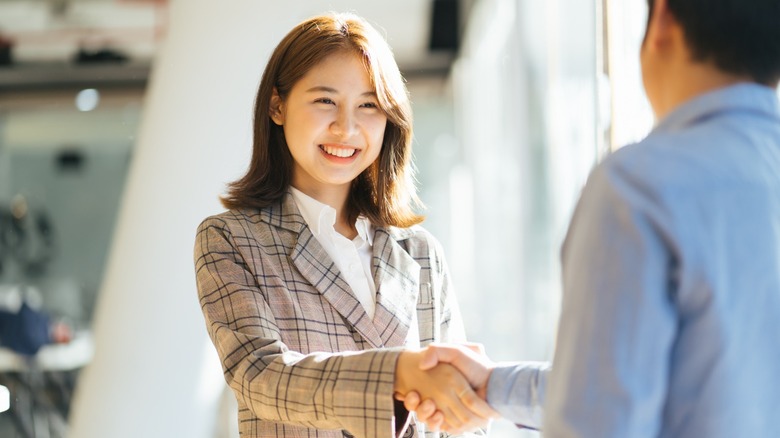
(450, 422)
(453, 426)
(436, 421)
(456, 420)
(411, 400)
(477, 405)
(426, 410)
(450, 391)
(453, 397)
(470, 413)
(456, 414)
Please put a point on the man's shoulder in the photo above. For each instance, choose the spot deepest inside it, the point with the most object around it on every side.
(657, 149)
(722, 150)
(654, 174)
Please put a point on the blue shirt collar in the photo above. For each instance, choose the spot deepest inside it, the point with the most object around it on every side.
(750, 97)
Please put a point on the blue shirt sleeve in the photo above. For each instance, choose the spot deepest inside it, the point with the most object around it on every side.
(516, 391)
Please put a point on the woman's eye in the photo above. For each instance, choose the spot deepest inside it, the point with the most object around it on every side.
(324, 100)
(369, 105)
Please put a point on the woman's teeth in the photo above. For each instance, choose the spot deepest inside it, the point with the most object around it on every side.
(339, 152)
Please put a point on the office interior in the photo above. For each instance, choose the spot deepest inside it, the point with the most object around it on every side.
(121, 122)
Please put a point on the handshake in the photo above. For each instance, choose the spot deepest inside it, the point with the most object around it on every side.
(446, 386)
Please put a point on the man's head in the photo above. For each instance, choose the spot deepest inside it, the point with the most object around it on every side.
(733, 38)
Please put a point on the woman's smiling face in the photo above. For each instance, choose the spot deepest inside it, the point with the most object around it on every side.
(332, 124)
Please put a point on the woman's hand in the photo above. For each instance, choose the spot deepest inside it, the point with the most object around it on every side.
(443, 386)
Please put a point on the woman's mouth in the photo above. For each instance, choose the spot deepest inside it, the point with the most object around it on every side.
(341, 152)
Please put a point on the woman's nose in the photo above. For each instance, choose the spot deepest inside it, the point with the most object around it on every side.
(345, 124)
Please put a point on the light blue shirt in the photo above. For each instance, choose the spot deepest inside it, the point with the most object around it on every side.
(670, 319)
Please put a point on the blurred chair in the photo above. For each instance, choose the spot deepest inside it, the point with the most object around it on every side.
(42, 385)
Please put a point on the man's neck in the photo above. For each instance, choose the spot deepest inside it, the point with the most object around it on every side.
(690, 80)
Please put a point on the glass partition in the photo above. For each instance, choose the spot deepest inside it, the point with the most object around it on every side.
(531, 119)
(64, 155)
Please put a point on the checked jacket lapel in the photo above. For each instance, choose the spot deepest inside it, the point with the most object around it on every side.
(397, 277)
(314, 263)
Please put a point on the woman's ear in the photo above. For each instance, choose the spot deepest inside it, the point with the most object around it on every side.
(275, 109)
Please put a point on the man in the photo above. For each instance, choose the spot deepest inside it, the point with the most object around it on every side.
(671, 265)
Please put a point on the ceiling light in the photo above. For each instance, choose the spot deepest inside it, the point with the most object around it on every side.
(87, 99)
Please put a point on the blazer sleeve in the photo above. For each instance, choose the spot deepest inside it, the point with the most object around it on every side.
(349, 390)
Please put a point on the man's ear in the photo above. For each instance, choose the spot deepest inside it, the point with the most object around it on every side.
(662, 26)
(276, 109)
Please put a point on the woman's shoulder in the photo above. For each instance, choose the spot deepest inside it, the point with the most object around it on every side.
(281, 216)
(416, 238)
(238, 221)
(406, 233)
(230, 217)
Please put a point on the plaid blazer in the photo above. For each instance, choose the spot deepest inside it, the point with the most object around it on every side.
(297, 348)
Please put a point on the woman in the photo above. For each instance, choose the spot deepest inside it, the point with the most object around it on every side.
(318, 274)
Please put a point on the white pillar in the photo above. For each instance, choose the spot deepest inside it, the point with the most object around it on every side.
(155, 372)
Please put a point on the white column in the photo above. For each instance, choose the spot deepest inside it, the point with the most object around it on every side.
(155, 372)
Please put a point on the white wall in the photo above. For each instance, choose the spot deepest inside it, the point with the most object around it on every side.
(155, 373)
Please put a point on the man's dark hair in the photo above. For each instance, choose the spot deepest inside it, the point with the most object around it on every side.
(738, 36)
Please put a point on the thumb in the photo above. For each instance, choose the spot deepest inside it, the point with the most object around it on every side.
(429, 359)
(435, 354)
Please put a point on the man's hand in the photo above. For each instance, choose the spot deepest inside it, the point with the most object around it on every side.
(462, 410)
(470, 361)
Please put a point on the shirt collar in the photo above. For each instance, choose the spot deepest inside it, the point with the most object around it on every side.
(365, 230)
(321, 218)
(744, 96)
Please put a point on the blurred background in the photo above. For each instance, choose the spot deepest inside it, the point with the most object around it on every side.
(121, 121)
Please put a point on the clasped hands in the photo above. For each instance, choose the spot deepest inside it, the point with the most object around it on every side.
(446, 385)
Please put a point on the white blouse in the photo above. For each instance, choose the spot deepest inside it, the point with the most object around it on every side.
(352, 257)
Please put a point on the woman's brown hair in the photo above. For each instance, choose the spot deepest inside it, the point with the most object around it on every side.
(385, 191)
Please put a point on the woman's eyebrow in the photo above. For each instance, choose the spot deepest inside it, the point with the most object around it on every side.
(326, 89)
(321, 88)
